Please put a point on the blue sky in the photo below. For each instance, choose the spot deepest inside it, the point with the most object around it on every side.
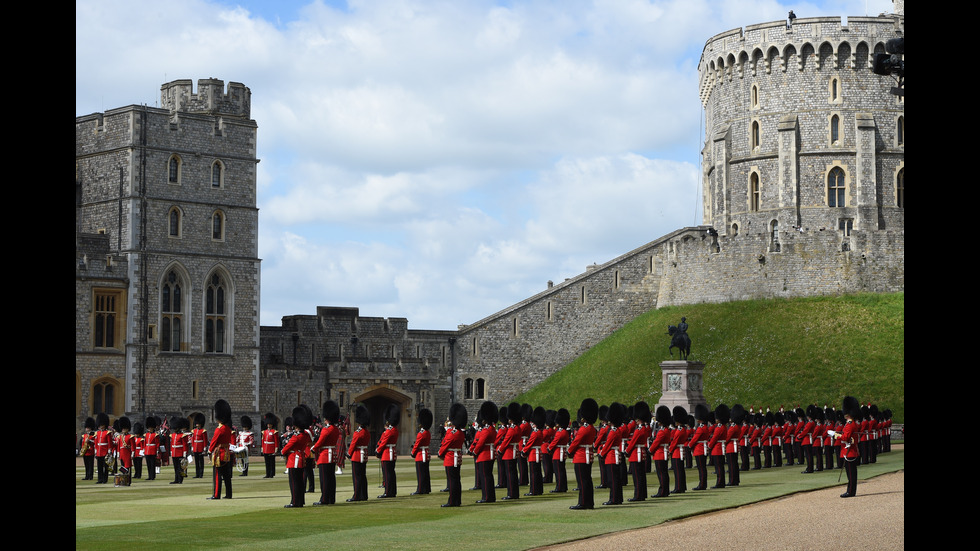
(440, 160)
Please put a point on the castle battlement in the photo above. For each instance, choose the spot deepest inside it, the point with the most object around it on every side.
(211, 97)
(820, 42)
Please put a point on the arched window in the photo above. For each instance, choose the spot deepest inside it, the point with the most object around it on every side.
(468, 389)
(836, 188)
(104, 394)
(217, 174)
(480, 392)
(174, 222)
(835, 92)
(215, 315)
(900, 131)
(834, 129)
(755, 96)
(173, 169)
(218, 226)
(900, 189)
(756, 138)
(774, 236)
(171, 313)
(734, 230)
(755, 195)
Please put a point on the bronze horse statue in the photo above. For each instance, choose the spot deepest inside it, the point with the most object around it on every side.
(679, 340)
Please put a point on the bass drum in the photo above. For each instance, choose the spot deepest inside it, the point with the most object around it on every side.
(123, 477)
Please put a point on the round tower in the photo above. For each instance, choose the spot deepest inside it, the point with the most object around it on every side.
(801, 135)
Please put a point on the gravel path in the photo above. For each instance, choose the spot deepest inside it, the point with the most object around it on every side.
(874, 519)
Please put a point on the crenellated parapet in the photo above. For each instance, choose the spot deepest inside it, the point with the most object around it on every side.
(211, 97)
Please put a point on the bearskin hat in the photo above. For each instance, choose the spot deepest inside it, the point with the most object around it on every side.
(125, 423)
(138, 428)
(151, 423)
(489, 412)
(641, 411)
(502, 415)
(538, 417)
(269, 419)
(738, 414)
(89, 424)
(680, 415)
(617, 414)
(362, 416)
(302, 417)
(589, 411)
(852, 407)
(562, 417)
(102, 420)
(663, 416)
(330, 412)
(514, 412)
(722, 414)
(246, 422)
(393, 414)
(458, 416)
(222, 412)
(701, 412)
(425, 418)
(527, 411)
(549, 417)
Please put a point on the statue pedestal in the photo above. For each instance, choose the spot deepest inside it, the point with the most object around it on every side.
(683, 384)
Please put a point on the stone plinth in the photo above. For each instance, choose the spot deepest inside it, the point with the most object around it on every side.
(683, 384)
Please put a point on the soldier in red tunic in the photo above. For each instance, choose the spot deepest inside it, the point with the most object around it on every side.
(849, 440)
(582, 452)
(420, 452)
(483, 450)
(86, 447)
(358, 454)
(295, 452)
(451, 453)
(558, 449)
(270, 444)
(636, 450)
(387, 450)
(532, 451)
(103, 447)
(219, 449)
(612, 454)
(199, 444)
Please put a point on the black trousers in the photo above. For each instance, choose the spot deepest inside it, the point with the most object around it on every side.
(719, 461)
(702, 463)
(328, 483)
(199, 465)
(297, 485)
(222, 474)
(851, 468)
(583, 479)
(89, 461)
(680, 475)
(151, 467)
(391, 484)
(270, 464)
(513, 482)
(486, 470)
(455, 487)
(422, 475)
(561, 476)
(536, 480)
(663, 477)
(639, 480)
(359, 473)
(615, 485)
(733, 478)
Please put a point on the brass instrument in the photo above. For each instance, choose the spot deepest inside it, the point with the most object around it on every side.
(183, 467)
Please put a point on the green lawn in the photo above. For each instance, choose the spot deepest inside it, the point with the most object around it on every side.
(157, 515)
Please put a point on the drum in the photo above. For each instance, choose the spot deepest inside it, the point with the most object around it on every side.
(123, 479)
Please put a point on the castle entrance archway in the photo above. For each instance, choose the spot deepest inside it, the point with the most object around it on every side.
(377, 399)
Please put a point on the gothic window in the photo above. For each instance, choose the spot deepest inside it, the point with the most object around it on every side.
(215, 315)
(173, 170)
(217, 174)
(836, 188)
(104, 397)
(480, 391)
(734, 230)
(174, 222)
(468, 389)
(900, 189)
(900, 131)
(108, 308)
(835, 130)
(218, 226)
(756, 138)
(755, 195)
(835, 90)
(755, 96)
(171, 313)
(774, 245)
(845, 225)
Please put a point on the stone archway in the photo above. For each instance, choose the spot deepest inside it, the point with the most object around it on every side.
(377, 399)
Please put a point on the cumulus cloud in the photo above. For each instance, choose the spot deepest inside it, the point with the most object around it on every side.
(436, 159)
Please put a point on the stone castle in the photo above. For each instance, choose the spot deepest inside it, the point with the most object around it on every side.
(803, 194)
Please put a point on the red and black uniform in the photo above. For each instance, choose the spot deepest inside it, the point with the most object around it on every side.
(613, 457)
(151, 445)
(678, 452)
(508, 452)
(851, 455)
(698, 443)
(482, 448)
(451, 452)
(636, 451)
(558, 449)
(326, 451)
(386, 450)
(178, 449)
(660, 452)
(87, 446)
(199, 445)
(359, 443)
(532, 451)
(420, 451)
(717, 446)
(103, 447)
(295, 452)
(221, 460)
(270, 443)
(124, 446)
(583, 454)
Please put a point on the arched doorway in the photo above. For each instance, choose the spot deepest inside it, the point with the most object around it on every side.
(377, 399)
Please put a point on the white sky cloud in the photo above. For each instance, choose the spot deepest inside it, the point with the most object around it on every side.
(439, 160)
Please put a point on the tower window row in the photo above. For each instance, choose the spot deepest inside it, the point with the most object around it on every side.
(175, 222)
(175, 166)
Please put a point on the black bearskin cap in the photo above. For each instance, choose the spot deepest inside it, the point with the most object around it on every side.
(269, 419)
(302, 417)
(641, 411)
(199, 419)
(102, 420)
(489, 412)
(527, 410)
(125, 423)
(425, 418)
(852, 407)
(539, 416)
(330, 412)
(562, 417)
(514, 413)
(89, 423)
(549, 417)
(604, 412)
(617, 414)
(458, 416)
(589, 411)
(222, 412)
(701, 412)
(502, 415)
(738, 414)
(663, 416)
(151, 423)
(138, 428)
(246, 422)
(722, 414)
(393, 414)
(680, 415)
(362, 416)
